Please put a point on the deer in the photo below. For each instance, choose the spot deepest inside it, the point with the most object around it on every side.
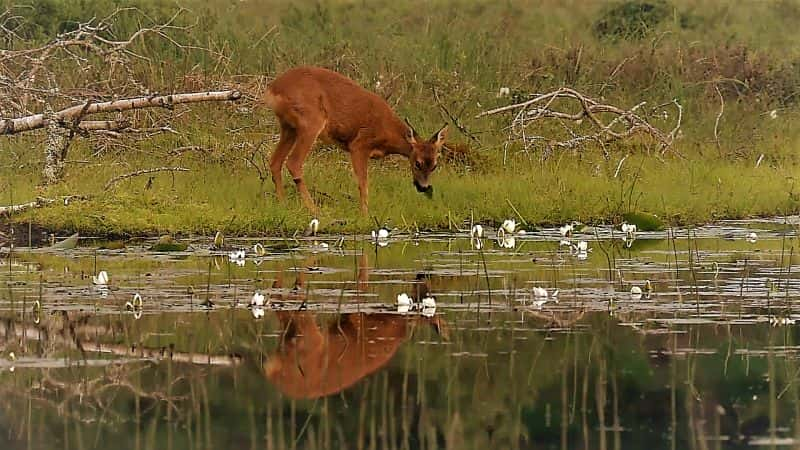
(313, 103)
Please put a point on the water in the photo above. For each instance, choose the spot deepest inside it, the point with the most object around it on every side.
(708, 359)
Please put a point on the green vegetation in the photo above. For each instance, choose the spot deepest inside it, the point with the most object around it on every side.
(625, 52)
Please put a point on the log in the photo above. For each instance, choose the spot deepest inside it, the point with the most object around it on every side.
(36, 121)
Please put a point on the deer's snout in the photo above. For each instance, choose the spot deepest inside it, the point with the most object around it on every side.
(426, 189)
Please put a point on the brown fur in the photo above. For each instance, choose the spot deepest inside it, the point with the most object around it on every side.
(314, 103)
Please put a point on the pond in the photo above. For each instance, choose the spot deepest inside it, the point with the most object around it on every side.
(678, 339)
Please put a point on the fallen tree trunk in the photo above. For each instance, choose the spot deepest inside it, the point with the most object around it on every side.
(36, 121)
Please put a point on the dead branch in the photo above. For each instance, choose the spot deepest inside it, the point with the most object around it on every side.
(454, 118)
(624, 124)
(31, 72)
(119, 178)
(36, 121)
(38, 203)
(104, 125)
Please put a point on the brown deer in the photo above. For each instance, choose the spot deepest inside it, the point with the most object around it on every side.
(312, 103)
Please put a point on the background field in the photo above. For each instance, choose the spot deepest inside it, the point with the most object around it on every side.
(746, 54)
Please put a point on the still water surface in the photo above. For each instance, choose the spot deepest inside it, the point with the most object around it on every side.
(707, 360)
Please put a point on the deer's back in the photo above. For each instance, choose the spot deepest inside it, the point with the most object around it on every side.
(306, 94)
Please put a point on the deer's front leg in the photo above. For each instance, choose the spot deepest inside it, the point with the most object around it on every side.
(360, 159)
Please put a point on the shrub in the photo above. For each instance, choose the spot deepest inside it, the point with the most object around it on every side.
(631, 19)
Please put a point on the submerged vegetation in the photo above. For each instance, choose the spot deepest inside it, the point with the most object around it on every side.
(734, 69)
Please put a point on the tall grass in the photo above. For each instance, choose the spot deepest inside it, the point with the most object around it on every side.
(697, 51)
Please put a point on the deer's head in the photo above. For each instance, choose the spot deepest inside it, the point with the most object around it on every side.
(424, 156)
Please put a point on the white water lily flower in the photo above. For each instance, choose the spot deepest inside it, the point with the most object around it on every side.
(428, 302)
(428, 312)
(219, 240)
(313, 227)
(636, 292)
(566, 230)
(476, 243)
(101, 279)
(506, 241)
(382, 233)
(258, 299)
(504, 91)
(135, 304)
(581, 250)
(258, 312)
(404, 300)
(541, 293)
(236, 254)
(628, 228)
(428, 307)
(776, 321)
(476, 231)
(381, 237)
(402, 309)
(752, 237)
(509, 225)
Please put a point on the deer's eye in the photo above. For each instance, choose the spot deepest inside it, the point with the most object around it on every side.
(418, 165)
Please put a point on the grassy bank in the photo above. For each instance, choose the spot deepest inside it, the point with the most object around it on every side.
(702, 53)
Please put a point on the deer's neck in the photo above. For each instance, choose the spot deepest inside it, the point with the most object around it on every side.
(396, 142)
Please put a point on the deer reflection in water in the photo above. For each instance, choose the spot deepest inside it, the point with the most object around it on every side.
(316, 359)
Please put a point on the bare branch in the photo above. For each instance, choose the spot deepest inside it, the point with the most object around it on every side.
(627, 122)
(38, 203)
(117, 179)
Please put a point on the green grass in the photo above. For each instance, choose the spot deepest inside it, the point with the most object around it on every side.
(465, 51)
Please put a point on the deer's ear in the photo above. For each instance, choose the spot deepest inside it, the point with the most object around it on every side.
(411, 133)
(439, 137)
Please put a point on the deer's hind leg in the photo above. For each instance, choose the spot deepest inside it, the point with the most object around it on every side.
(282, 150)
(306, 136)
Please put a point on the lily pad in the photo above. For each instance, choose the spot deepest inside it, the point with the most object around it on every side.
(644, 221)
(168, 244)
